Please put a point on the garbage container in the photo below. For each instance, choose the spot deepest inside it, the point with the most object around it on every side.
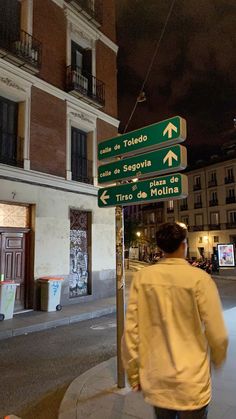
(50, 293)
(7, 299)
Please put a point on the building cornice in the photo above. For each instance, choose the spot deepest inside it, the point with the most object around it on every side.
(95, 33)
(46, 180)
(54, 91)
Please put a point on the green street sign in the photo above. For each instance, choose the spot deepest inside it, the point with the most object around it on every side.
(158, 135)
(174, 186)
(164, 160)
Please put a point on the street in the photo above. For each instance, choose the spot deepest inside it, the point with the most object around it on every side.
(37, 368)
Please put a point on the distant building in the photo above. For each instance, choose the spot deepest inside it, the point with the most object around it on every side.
(210, 209)
(58, 99)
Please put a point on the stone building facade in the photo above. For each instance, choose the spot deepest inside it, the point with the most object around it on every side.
(58, 99)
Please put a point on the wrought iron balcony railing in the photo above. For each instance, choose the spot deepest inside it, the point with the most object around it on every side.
(11, 149)
(230, 200)
(214, 226)
(24, 51)
(183, 207)
(212, 182)
(197, 205)
(196, 228)
(231, 225)
(91, 9)
(229, 179)
(197, 187)
(213, 202)
(85, 86)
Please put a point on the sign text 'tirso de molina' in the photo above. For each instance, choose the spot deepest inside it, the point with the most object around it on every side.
(159, 189)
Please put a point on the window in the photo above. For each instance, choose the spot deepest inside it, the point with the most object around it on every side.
(81, 65)
(213, 196)
(212, 177)
(197, 201)
(152, 218)
(11, 146)
(232, 217)
(198, 220)
(230, 193)
(170, 206)
(152, 233)
(146, 232)
(81, 167)
(229, 172)
(196, 183)
(216, 239)
(184, 220)
(80, 253)
(198, 198)
(10, 13)
(214, 217)
(200, 240)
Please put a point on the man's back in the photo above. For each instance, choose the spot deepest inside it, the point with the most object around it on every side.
(178, 313)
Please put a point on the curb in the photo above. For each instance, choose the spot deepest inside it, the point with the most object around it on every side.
(68, 406)
(57, 322)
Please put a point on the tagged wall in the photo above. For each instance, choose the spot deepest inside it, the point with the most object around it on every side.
(52, 227)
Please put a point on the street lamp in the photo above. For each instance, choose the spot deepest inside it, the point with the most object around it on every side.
(138, 234)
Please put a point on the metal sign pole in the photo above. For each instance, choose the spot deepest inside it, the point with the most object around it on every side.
(120, 292)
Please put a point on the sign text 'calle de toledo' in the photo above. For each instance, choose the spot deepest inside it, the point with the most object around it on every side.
(164, 160)
(153, 136)
(158, 189)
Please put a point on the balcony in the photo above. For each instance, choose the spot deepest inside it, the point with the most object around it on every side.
(213, 202)
(212, 182)
(184, 207)
(230, 200)
(214, 226)
(196, 228)
(85, 86)
(25, 51)
(91, 10)
(197, 187)
(229, 179)
(197, 205)
(231, 225)
(11, 149)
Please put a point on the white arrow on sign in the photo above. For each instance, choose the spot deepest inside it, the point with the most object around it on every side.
(104, 197)
(169, 157)
(170, 128)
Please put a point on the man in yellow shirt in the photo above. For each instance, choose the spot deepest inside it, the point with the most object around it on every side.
(174, 330)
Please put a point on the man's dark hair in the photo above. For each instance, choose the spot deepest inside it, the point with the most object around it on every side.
(169, 236)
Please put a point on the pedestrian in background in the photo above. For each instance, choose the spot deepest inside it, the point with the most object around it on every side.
(174, 330)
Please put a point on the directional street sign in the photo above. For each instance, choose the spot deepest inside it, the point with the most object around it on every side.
(159, 189)
(154, 136)
(164, 160)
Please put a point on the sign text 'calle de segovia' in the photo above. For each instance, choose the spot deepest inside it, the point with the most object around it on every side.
(157, 135)
(158, 189)
(164, 160)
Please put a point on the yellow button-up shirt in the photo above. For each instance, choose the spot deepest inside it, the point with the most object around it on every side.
(174, 326)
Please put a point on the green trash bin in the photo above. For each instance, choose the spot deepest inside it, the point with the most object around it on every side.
(7, 299)
(50, 293)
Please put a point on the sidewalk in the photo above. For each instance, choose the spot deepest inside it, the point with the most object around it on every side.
(94, 395)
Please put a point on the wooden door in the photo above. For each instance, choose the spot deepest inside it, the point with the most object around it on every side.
(13, 263)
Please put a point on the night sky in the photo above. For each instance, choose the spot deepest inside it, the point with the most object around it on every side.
(194, 74)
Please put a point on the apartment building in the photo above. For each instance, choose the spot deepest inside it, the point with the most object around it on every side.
(209, 211)
(58, 99)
